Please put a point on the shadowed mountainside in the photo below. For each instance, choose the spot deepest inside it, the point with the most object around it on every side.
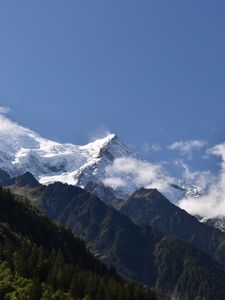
(140, 253)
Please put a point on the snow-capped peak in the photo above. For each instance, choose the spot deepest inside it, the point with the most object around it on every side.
(100, 162)
(23, 150)
(100, 142)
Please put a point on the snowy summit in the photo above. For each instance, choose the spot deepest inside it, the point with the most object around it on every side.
(23, 150)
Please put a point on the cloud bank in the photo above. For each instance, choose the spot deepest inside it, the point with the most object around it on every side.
(147, 148)
(132, 173)
(186, 148)
(211, 204)
(202, 179)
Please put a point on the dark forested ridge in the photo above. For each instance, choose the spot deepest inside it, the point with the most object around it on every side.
(150, 207)
(42, 260)
(139, 253)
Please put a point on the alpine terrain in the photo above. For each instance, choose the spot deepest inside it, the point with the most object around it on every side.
(22, 150)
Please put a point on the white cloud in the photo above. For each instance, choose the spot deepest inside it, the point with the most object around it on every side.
(213, 202)
(10, 127)
(115, 182)
(187, 147)
(6, 125)
(202, 179)
(146, 148)
(132, 173)
(4, 110)
(99, 132)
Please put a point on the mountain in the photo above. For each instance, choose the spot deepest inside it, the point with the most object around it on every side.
(140, 253)
(104, 229)
(106, 193)
(23, 150)
(150, 207)
(40, 260)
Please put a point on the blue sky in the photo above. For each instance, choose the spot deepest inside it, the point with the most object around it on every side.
(151, 71)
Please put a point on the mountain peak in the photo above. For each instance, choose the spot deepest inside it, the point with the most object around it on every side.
(145, 197)
(23, 150)
(27, 179)
(104, 140)
(146, 192)
(101, 143)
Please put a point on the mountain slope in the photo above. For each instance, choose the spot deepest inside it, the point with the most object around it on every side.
(149, 207)
(39, 260)
(143, 254)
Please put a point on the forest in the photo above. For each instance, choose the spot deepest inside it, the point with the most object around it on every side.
(40, 259)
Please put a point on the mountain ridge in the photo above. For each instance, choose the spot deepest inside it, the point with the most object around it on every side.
(140, 253)
(150, 207)
(40, 259)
